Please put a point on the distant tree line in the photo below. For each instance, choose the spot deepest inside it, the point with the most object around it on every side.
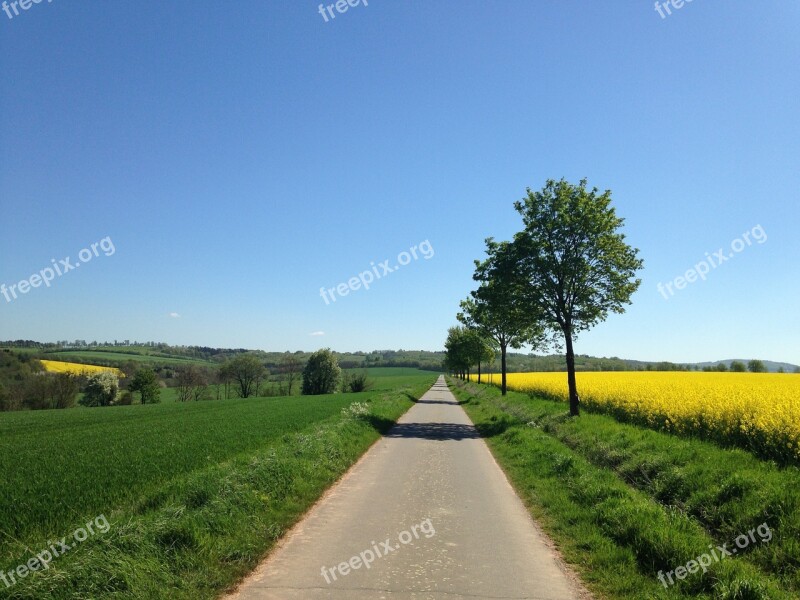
(24, 384)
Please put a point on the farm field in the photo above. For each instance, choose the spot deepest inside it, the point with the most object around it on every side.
(128, 462)
(58, 366)
(117, 357)
(756, 411)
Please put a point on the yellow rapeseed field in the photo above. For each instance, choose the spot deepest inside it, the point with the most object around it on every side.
(759, 411)
(57, 366)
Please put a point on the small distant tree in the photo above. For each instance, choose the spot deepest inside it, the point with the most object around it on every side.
(129, 368)
(495, 309)
(192, 383)
(223, 378)
(781, 370)
(145, 381)
(36, 392)
(246, 371)
(721, 367)
(756, 366)
(101, 390)
(64, 388)
(321, 373)
(291, 371)
(738, 366)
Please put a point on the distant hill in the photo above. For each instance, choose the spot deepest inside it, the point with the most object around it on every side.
(772, 366)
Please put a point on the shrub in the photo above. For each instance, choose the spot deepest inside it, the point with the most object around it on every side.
(100, 390)
(321, 373)
(358, 382)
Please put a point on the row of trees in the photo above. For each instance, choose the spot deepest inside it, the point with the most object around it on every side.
(466, 348)
(737, 366)
(563, 273)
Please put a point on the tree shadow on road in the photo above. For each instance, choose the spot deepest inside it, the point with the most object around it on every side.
(450, 403)
(434, 431)
(380, 424)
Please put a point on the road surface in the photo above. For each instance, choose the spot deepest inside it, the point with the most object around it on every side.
(425, 514)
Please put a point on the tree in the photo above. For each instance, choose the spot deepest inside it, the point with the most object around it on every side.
(145, 381)
(487, 354)
(738, 366)
(457, 358)
(496, 308)
(756, 366)
(246, 371)
(5, 399)
(36, 392)
(101, 389)
(321, 373)
(192, 383)
(290, 369)
(224, 377)
(64, 389)
(575, 261)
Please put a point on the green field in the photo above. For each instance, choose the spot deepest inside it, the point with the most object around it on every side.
(624, 502)
(168, 476)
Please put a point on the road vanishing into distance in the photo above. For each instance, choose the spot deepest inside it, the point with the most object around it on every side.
(425, 514)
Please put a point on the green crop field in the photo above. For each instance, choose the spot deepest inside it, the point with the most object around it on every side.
(136, 464)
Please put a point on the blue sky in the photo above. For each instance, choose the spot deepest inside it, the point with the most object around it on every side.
(242, 155)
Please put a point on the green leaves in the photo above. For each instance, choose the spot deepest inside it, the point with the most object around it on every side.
(573, 256)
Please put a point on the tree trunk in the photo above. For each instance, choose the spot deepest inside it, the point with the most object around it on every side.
(503, 368)
(574, 408)
(479, 371)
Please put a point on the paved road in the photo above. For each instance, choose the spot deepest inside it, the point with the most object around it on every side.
(432, 493)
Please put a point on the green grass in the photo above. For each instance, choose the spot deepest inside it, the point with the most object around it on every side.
(196, 493)
(625, 502)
